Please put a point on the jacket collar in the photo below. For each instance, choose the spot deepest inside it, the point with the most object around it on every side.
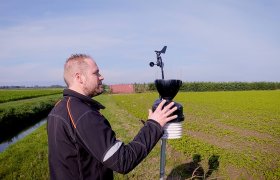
(86, 99)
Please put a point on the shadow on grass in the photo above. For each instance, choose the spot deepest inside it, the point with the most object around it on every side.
(193, 170)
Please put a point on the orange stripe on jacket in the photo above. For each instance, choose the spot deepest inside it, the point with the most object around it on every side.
(57, 102)
(70, 115)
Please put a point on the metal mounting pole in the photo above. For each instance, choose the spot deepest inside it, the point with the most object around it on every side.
(163, 140)
(162, 158)
(159, 60)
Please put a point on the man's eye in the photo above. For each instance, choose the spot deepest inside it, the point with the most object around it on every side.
(97, 74)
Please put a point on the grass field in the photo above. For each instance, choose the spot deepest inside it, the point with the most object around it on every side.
(240, 129)
(7, 95)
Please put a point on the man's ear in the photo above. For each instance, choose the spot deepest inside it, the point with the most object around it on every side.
(79, 78)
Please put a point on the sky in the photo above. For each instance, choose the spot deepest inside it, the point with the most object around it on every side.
(216, 41)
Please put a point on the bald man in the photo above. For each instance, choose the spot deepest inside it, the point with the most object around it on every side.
(82, 144)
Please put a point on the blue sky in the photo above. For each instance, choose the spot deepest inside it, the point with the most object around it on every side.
(217, 40)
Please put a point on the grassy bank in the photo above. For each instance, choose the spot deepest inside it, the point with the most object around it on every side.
(240, 129)
(17, 115)
(26, 159)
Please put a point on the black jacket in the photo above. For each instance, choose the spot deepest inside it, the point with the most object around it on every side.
(82, 144)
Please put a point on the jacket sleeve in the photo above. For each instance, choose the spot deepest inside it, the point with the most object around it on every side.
(96, 134)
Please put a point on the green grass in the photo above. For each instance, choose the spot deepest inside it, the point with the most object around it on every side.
(18, 94)
(26, 159)
(28, 106)
(242, 128)
(17, 115)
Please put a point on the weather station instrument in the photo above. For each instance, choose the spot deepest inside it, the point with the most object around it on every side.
(167, 90)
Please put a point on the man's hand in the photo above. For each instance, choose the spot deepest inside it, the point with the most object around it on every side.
(162, 115)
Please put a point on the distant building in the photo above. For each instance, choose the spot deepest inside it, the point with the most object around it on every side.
(122, 88)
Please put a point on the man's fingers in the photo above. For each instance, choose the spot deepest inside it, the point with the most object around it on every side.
(172, 110)
(163, 114)
(161, 105)
(169, 112)
(171, 118)
(166, 108)
(150, 112)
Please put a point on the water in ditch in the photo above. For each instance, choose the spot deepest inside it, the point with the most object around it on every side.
(21, 135)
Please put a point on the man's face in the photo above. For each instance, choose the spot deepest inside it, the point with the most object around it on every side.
(93, 80)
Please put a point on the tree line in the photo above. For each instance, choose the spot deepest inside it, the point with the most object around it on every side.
(213, 86)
